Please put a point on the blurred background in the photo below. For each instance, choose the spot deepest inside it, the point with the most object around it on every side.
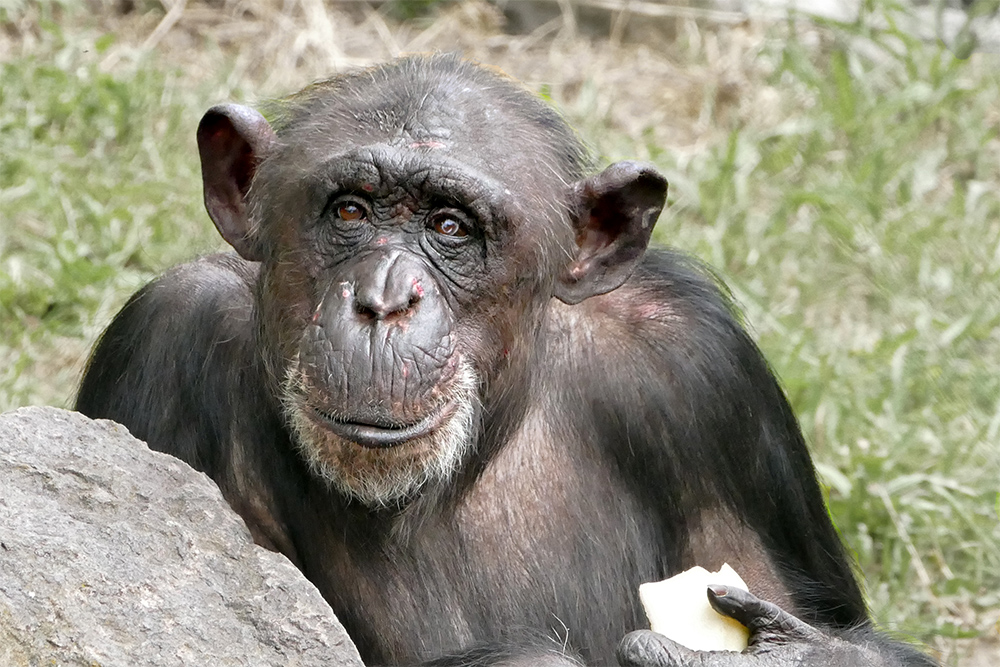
(837, 163)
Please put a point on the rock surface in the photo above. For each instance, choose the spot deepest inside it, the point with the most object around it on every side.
(112, 554)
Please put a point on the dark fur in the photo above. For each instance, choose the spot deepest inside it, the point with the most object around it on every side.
(178, 368)
(630, 423)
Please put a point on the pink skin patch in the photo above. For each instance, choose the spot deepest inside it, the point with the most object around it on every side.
(418, 288)
(427, 144)
(368, 187)
(381, 240)
(317, 313)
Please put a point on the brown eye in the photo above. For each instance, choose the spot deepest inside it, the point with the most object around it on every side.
(350, 211)
(449, 227)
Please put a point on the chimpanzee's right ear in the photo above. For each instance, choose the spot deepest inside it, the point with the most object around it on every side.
(232, 139)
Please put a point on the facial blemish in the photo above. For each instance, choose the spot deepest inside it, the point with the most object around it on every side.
(318, 312)
(430, 143)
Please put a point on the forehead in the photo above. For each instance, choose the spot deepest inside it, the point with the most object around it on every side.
(437, 109)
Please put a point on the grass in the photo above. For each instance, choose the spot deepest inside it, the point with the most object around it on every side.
(99, 191)
(852, 202)
(862, 234)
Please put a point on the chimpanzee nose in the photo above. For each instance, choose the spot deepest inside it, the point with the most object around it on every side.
(387, 284)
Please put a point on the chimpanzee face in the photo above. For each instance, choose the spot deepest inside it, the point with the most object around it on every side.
(399, 297)
(411, 236)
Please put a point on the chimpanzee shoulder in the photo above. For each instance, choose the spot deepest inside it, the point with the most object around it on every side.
(664, 371)
(167, 365)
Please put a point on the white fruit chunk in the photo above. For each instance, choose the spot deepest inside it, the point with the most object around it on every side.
(678, 608)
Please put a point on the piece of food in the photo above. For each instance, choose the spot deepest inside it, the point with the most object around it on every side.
(678, 608)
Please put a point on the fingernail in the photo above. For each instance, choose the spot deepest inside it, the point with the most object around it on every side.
(719, 591)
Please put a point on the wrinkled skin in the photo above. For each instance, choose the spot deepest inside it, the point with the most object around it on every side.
(390, 258)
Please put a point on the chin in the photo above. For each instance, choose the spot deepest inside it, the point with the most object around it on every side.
(384, 472)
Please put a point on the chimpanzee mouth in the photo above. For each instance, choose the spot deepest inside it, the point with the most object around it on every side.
(380, 435)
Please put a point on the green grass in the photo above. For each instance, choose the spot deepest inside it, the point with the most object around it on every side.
(860, 232)
(99, 190)
(862, 236)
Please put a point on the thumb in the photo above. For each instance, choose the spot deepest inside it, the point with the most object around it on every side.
(765, 620)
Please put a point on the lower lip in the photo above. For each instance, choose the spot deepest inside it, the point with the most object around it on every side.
(376, 437)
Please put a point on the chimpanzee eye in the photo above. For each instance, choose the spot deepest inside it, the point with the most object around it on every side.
(348, 208)
(350, 211)
(447, 225)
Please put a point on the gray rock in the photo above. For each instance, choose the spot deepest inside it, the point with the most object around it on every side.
(112, 554)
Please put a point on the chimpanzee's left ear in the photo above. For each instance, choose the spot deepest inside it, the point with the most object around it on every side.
(614, 214)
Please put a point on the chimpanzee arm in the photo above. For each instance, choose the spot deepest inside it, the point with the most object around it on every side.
(710, 433)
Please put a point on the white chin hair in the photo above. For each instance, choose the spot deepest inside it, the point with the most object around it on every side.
(381, 477)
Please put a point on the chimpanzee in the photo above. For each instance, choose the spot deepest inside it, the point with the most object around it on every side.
(446, 379)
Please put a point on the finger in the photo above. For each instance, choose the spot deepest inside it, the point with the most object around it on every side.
(645, 648)
(766, 621)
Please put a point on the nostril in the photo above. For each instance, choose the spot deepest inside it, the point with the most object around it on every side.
(381, 309)
(366, 312)
(414, 299)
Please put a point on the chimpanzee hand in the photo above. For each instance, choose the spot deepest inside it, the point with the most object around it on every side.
(777, 639)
